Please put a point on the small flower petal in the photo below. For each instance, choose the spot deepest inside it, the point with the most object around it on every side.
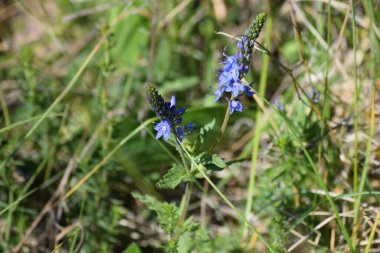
(173, 101)
(235, 106)
(163, 129)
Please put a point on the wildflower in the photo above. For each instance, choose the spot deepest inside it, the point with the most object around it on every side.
(235, 87)
(230, 72)
(278, 106)
(314, 96)
(170, 116)
(218, 93)
(235, 67)
(163, 129)
(235, 106)
(248, 91)
(173, 101)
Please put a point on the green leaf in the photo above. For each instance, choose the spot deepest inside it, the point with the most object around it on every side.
(162, 65)
(167, 213)
(180, 84)
(213, 162)
(218, 161)
(206, 128)
(175, 176)
(202, 133)
(193, 237)
(132, 248)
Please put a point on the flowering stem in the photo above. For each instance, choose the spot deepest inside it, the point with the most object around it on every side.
(258, 127)
(186, 200)
(356, 130)
(222, 129)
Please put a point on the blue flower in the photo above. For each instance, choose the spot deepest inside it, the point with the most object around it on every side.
(230, 63)
(278, 106)
(180, 133)
(229, 75)
(218, 93)
(314, 96)
(163, 129)
(173, 101)
(235, 87)
(235, 106)
(248, 91)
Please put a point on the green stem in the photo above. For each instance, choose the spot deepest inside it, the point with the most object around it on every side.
(201, 170)
(325, 105)
(356, 92)
(258, 127)
(222, 129)
(189, 186)
(371, 236)
(4, 108)
(186, 200)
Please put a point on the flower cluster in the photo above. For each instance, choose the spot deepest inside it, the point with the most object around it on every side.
(314, 96)
(170, 116)
(236, 66)
(279, 106)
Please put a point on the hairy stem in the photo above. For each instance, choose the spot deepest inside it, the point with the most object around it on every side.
(189, 186)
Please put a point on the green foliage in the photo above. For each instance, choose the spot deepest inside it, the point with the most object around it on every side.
(203, 131)
(183, 236)
(176, 175)
(211, 162)
(132, 248)
(90, 62)
(167, 213)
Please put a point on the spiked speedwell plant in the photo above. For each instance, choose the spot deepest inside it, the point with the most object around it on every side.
(173, 219)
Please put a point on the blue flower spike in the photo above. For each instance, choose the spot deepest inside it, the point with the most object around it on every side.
(170, 116)
(236, 67)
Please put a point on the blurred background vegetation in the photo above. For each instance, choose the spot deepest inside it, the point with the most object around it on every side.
(72, 88)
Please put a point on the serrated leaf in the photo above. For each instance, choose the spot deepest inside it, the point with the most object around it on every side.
(205, 129)
(203, 132)
(175, 176)
(193, 237)
(218, 161)
(167, 213)
(132, 248)
(208, 127)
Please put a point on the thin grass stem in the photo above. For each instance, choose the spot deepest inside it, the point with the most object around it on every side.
(258, 127)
